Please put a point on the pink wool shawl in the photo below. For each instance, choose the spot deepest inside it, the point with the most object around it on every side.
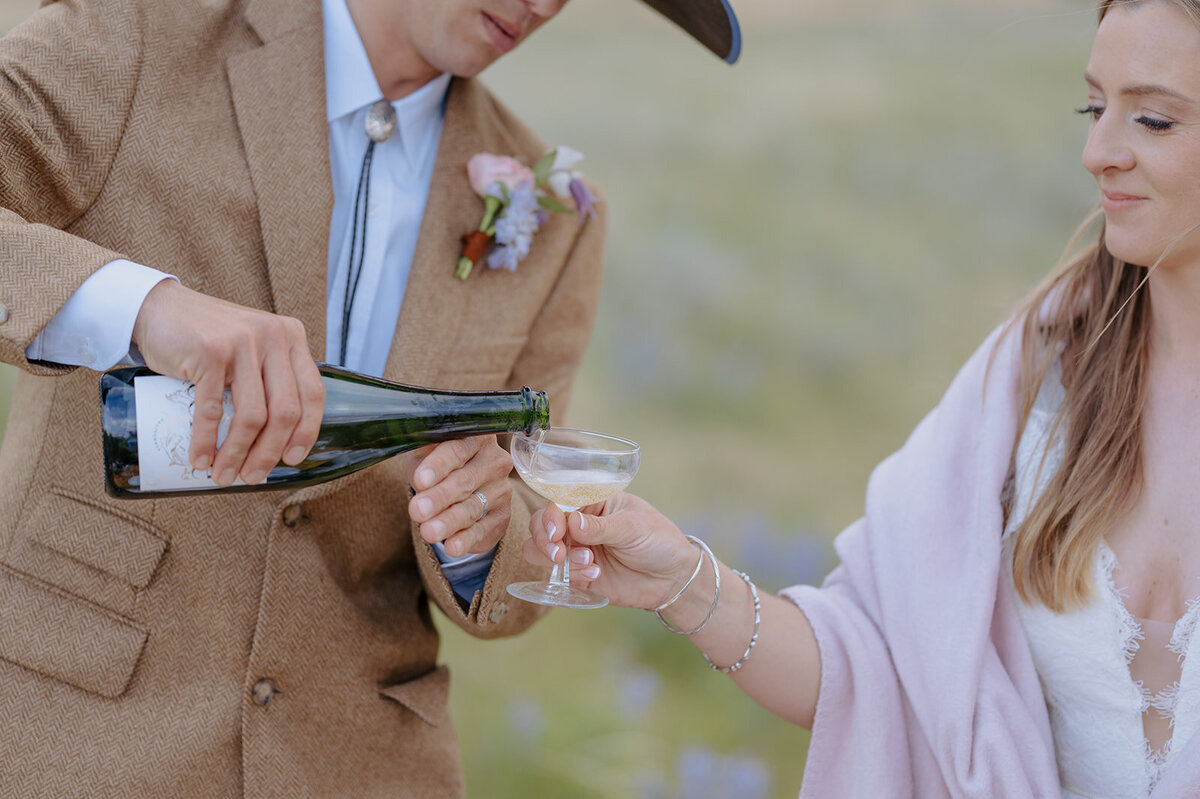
(928, 688)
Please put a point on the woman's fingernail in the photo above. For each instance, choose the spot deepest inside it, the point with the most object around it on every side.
(227, 477)
(424, 506)
(552, 551)
(582, 521)
(551, 529)
(591, 572)
(202, 463)
(436, 528)
(294, 455)
(424, 477)
(581, 556)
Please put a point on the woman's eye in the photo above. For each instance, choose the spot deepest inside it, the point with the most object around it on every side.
(1094, 111)
(1154, 124)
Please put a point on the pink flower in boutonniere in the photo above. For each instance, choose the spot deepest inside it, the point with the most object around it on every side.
(515, 204)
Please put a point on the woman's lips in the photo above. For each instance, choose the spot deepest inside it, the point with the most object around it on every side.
(501, 33)
(1118, 201)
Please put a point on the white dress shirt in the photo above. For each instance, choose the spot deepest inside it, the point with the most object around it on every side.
(400, 173)
(94, 327)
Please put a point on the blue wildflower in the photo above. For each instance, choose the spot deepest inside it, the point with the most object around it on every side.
(515, 228)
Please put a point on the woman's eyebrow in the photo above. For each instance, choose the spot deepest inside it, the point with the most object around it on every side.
(1142, 89)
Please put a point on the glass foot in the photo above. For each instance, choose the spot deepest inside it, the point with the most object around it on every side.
(561, 596)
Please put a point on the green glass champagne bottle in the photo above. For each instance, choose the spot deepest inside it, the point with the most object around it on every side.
(146, 422)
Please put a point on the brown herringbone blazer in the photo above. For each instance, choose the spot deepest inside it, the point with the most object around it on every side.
(190, 135)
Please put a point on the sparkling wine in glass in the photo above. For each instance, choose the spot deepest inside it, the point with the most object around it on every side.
(572, 469)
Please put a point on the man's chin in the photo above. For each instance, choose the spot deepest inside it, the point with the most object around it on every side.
(469, 65)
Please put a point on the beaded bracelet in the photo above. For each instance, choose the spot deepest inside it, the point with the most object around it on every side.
(704, 551)
(753, 636)
(696, 571)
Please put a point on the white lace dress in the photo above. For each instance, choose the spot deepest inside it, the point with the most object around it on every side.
(1109, 679)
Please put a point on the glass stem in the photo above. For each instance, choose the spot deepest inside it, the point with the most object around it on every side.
(561, 573)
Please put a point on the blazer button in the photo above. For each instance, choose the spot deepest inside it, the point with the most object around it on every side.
(499, 611)
(3, 313)
(292, 514)
(262, 692)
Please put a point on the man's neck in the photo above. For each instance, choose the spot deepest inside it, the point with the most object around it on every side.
(398, 68)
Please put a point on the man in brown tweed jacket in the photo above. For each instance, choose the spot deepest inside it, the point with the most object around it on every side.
(263, 644)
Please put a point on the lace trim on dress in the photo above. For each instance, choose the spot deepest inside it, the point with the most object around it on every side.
(1131, 631)
(1181, 639)
(1164, 701)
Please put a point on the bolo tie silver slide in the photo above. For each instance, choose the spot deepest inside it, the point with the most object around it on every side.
(380, 126)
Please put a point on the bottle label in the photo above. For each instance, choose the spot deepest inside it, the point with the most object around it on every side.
(164, 433)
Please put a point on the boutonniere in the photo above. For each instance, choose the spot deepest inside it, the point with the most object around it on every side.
(516, 201)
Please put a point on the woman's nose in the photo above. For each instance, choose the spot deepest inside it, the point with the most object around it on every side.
(1106, 147)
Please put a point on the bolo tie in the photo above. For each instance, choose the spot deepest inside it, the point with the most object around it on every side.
(380, 126)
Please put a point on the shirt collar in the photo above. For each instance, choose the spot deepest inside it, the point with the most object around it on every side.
(350, 83)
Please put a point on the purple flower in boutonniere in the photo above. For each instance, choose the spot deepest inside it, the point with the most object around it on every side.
(567, 183)
(515, 204)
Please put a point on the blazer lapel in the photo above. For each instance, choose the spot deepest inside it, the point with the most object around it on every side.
(434, 299)
(279, 99)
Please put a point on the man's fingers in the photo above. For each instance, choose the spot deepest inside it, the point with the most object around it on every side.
(463, 529)
(249, 417)
(311, 392)
(445, 458)
(207, 408)
(482, 463)
(282, 399)
(478, 537)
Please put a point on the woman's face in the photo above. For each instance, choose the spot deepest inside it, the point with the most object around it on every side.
(1144, 144)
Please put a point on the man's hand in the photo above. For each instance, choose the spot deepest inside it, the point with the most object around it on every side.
(445, 504)
(278, 397)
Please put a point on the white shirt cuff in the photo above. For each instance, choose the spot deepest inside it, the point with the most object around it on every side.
(94, 327)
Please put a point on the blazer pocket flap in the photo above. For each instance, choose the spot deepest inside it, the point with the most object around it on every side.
(104, 538)
(67, 638)
(426, 696)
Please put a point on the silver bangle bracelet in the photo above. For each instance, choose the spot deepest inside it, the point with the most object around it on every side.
(696, 571)
(753, 635)
(704, 551)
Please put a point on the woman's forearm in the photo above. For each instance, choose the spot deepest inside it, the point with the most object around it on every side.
(783, 670)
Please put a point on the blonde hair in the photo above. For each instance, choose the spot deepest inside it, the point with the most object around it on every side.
(1189, 7)
(1092, 316)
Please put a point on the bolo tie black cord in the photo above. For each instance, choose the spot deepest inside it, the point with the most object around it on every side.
(362, 199)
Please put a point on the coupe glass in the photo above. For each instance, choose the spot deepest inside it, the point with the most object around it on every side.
(572, 469)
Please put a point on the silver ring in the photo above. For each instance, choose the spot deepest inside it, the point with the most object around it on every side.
(482, 501)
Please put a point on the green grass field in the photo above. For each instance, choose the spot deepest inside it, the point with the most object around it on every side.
(803, 249)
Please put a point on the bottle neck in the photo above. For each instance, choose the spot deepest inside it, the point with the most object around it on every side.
(352, 398)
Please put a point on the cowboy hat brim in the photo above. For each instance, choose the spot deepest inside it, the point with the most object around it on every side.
(710, 22)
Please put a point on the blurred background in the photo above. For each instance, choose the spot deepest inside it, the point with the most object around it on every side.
(803, 249)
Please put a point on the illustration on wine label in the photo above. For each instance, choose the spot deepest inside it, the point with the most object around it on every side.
(165, 407)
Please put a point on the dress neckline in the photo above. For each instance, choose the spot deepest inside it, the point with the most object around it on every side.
(1163, 698)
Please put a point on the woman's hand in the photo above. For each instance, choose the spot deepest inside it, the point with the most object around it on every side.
(445, 504)
(623, 548)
